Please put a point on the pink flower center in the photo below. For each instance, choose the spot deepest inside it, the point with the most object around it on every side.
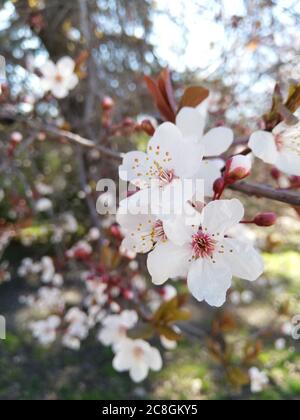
(58, 78)
(138, 352)
(158, 232)
(165, 176)
(203, 245)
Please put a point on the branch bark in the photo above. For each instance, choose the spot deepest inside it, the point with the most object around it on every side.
(265, 191)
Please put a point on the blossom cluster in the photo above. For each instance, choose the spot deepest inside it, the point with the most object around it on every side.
(197, 242)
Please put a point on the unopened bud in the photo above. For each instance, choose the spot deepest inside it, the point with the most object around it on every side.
(237, 168)
(148, 127)
(295, 181)
(265, 219)
(275, 174)
(107, 103)
(219, 186)
(16, 137)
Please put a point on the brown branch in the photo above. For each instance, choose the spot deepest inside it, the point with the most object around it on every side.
(265, 191)
(250, 189)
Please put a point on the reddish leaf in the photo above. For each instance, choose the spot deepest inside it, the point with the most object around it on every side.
(159, 93)
(193, 96)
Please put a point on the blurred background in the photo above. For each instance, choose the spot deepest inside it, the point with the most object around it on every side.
(239, 50)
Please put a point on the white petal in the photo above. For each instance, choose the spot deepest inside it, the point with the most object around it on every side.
(209, 281)
(59, 90)
(245, 262)
(190, 159)
(203, 109)
(66, 66)
(264, 147)
(168, 261)
(220, 216)
(139, 371)
(191, 123)
(140, 243)
(129, 318)
(154, 359)
(48, 69)
(209, 171)
(122, 361)
(217, 141)
(72, 81)
(178, 230)
(289, 163)
(133, 166)
(165, 146)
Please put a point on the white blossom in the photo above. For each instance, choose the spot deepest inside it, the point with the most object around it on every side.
(280, 148)
(137, 357)
(59, 78)
(206, 254)
(115, 327)
(258, 379)
(45, 331)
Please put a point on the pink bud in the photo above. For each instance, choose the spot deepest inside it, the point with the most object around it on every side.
(265, 219)
(237, 168)
(275, 174)
(107, 103)
(219, 186)
(148, 127)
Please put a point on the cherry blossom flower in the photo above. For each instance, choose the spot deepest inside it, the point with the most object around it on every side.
(45, 331)
(206, 254)
(59, 78)
(43, 205)
(115, 328)
(259, 380)
(137, 357)
(280, 148)
(77, 330)
(176, 151)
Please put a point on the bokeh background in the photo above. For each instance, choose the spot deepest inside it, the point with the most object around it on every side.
(239, 49)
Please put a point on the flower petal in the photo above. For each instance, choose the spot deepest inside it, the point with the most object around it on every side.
(72, 81)
(264, 147)
(48, 69)
(217, 141)
(66, 66)
(219, 216)
(289, 163)
(209, 281)
(191, 123)
(179, 230)
(122, 361)
(245, 262)
(59, 90)
(139, 371)
(209, 171)
(134, 167)
(168, 261)
(154, 359)
(164, 149)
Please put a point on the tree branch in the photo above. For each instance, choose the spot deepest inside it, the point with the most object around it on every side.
(265, 191)
(251, 189)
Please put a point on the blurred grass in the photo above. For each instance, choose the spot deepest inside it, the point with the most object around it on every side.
(30, 372)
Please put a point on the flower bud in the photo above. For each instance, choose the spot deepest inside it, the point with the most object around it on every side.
(275, 174)
(237, 168)
(107, 103)
(265, 219)
(148, 127)
(219, 186)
